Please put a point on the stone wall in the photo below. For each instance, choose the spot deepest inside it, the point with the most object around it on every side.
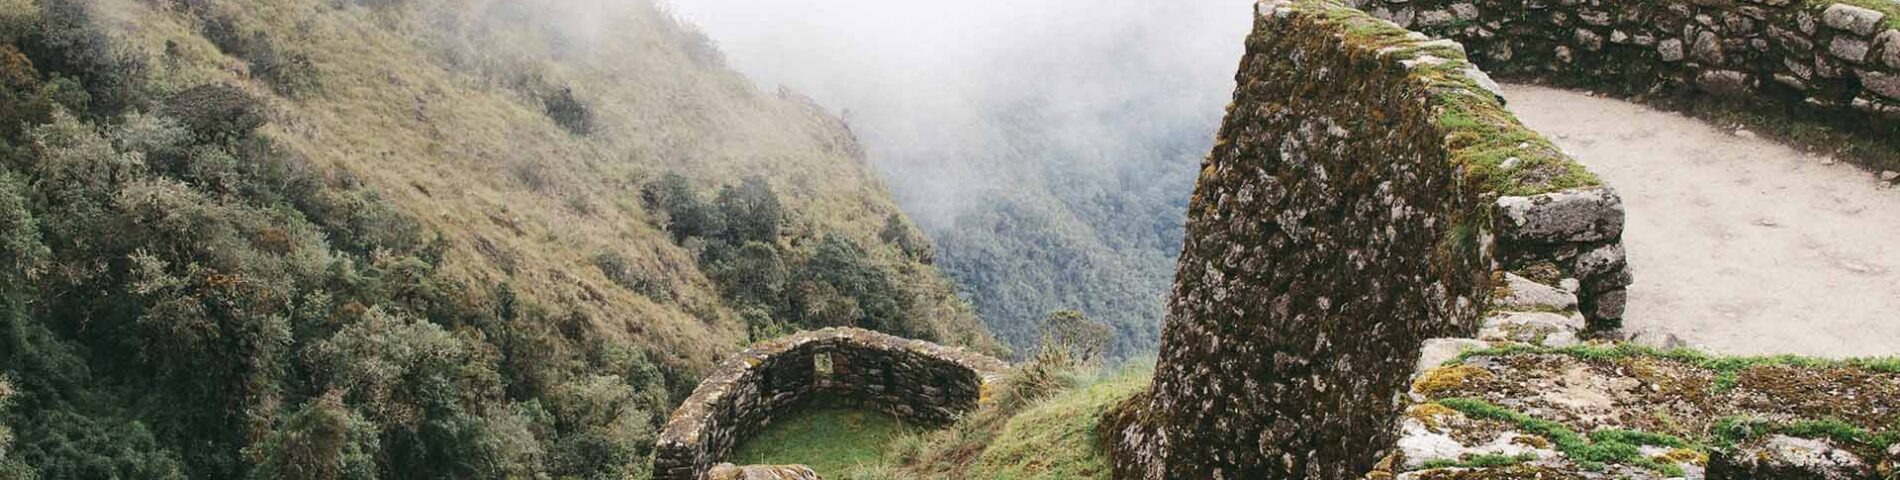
(1832, 59)
(918, 381)
(1363, 189)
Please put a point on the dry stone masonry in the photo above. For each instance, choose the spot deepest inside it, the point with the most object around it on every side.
(1364, 187)
(918, 381)
(1386, 276)
(1831, 58)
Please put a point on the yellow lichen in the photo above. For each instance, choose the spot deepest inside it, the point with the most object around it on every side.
(1532, 441)
(1431, 415)
(1683, 455)
(1449, 378)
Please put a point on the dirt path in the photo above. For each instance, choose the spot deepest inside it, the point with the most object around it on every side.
(1738, 244)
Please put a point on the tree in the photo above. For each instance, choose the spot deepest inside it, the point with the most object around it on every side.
(751, 210)
(686, 215)
(1069, 330)
(323, 440)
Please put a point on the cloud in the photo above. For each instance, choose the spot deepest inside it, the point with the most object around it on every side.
(955, 100)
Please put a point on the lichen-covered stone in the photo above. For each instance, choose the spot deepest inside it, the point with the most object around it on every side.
(1789, 458)
(1859, 20)
(1337, 224)
(922, 382)
(727, 471)
(1581, 215)
(1527, 295)
(1327, 238)
(1535, 328)
(1813, 58)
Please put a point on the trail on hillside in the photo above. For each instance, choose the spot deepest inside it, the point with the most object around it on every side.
(1738, 244)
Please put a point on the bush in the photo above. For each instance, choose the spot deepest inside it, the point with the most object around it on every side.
(751, 211)
(568, 112)
(216, 112)
(1070, 332)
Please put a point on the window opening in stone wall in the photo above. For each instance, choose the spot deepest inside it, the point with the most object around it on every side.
(821, 365)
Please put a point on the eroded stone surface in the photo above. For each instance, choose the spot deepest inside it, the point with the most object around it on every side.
(1528, 295)
(1582, 215)
(727, 471)
(1789, 458)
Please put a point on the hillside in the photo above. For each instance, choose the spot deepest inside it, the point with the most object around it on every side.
(1050, 157)
(407, 238)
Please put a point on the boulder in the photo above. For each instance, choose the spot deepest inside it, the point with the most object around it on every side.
(1783, 457)
(1576, 215)
(1527, 294)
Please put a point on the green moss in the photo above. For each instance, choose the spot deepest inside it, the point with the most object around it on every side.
(1731, 431)
(1497, 152)
(1604, 446)
(1726, 368)
(1482, 461)
(830, 441)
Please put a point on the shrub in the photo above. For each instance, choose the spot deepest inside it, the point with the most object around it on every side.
(1069, 331)
(216, 112)
(751, 211)
(568, 112)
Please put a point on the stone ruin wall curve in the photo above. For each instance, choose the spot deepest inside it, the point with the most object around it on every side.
(1815, 57)
(918, 381)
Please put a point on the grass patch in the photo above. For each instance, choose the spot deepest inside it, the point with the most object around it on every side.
(1731, 431)
(1601, 447)
(1057, 438)
(829, 440)
(1726, 368)
(1482, 461)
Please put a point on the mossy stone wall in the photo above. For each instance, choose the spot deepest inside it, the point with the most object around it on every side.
(1832, 59)
(1355, 204)
(918, 381)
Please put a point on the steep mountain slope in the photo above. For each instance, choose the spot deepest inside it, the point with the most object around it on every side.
(318, 239)
(1048, 148)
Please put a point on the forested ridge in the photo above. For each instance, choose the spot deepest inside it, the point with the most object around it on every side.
(406, 238)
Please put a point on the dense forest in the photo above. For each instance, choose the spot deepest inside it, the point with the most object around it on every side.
(406, 238)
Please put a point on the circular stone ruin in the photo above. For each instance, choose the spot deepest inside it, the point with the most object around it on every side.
(915, 380)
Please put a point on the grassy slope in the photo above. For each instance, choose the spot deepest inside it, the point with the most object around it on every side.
(1057, 438)
(435, 103)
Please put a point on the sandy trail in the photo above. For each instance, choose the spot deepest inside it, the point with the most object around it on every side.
(1739, 245)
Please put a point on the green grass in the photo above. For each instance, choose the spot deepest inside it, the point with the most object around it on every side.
(829, 440)
(1725, 367)
(1056, 439)
(1603, 446)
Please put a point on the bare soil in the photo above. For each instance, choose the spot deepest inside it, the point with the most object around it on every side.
(1739, 245)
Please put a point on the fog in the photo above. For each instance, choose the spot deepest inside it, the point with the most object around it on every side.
(955, 100)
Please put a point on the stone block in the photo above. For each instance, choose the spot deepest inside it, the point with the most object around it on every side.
(1578, 215)
(1861, 21)
(1527, 294)
(1783, 457)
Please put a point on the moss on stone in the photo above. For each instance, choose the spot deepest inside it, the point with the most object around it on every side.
(1602, 446)
(1496, 151)
(1450, 378)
